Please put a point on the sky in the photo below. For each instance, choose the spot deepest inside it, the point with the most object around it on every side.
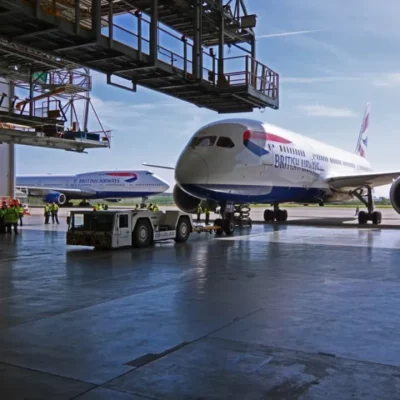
(332, 56)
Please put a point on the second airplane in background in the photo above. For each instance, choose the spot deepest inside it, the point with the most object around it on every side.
(105, 185)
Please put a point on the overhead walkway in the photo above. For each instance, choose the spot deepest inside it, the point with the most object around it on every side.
(180, 65)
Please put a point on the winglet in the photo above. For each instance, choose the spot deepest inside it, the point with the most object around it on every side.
(362, 143)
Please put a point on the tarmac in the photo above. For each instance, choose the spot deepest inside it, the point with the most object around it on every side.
(274, 312)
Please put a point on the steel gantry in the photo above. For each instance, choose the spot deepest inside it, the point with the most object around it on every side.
(176, 47)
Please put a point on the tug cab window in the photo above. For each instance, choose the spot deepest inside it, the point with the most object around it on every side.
(225, 142)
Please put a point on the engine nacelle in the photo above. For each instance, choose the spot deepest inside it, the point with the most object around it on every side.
(184, 201)
(55, 197)
(395, 195)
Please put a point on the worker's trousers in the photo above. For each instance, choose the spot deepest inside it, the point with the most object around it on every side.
(9, 227)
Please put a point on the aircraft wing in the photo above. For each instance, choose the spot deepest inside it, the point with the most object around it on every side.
(42, 191)
(158, 166)
(363, 179)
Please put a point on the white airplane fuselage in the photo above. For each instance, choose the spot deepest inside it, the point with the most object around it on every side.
(94, 185)
(246, 161)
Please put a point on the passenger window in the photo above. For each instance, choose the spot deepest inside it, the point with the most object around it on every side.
(225, 142)
(123, 221)
(206, 141)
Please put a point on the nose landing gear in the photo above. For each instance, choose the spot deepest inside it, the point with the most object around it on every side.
(232, 216)
(275, 215)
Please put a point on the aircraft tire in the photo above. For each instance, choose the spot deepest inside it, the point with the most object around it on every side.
(268, 216)
(281, 215)
(376, 217)
(362, 218)
(218, 222)
(228, 226)
(284, 215)
(142, 235)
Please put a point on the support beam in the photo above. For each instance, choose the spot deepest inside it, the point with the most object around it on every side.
(96, 18)
(154, 32)
(221, 45)
(110, 24)
(253, 61)
(7, 151)
(197, 48)
(77, 16)
(31, 103)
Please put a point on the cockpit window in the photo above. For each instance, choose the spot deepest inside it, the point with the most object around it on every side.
(225, 142)
(205, 141)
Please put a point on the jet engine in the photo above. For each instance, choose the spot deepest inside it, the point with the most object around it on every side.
(185, 201)
(395, 195)
(55, 197)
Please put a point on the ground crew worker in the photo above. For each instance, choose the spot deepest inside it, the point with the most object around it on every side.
(20, 210)
(11, 219)
(47, 213)
(198, 210)
(137, 207)
(3, 210)
(150, 207)
(54, 212)
(155, 208)
(207, 212)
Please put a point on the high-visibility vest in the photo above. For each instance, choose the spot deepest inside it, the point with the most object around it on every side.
(11, 216)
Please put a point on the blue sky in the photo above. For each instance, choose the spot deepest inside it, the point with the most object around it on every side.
(332, 57)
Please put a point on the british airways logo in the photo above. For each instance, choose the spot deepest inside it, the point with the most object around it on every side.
(131, 177)
(256, 141)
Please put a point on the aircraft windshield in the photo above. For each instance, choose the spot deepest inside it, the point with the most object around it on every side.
(90, 222)
(205, 141)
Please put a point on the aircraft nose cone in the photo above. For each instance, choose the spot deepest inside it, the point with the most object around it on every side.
(191, 169)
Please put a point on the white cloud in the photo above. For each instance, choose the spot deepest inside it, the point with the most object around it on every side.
(326, 112)
(388, 80)
(322, 79)
(281, 34)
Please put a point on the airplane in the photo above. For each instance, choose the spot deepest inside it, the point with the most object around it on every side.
(237, 162)
(109, 185)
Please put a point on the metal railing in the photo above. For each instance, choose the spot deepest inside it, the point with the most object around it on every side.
(176, 51)
(76, 78)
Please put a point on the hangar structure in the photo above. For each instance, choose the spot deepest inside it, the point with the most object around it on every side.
(199, 51)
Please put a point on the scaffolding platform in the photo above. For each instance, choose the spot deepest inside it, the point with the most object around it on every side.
(36, 138)
(84, 32)
(23, 119)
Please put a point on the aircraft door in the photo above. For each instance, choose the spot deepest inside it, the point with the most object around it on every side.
(268, 157)
(124, 233)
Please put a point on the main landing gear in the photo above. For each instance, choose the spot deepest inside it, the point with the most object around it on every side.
(275, 215)
(232, 216)
(371, 215)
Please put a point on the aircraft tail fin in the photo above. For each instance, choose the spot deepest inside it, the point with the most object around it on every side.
(362, 143)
